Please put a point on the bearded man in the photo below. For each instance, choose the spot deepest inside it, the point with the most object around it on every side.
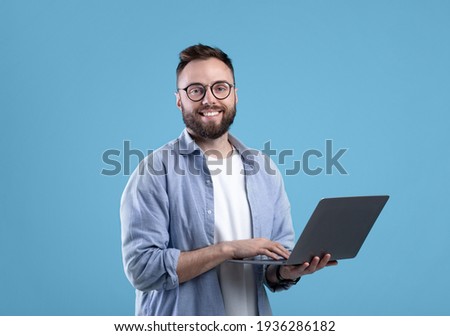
(204, 199)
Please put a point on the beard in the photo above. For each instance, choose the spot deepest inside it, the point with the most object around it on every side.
(209, 130)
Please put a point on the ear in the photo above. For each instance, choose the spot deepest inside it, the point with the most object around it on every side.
(236, 95)
(178, 100)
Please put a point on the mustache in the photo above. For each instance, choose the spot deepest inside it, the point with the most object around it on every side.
(209, 108)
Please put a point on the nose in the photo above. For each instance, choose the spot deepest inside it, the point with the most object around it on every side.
(209, 97)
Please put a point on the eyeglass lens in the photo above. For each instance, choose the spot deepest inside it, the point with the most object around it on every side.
(220, 90)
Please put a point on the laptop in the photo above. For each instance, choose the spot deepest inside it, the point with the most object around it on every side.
(338, 226)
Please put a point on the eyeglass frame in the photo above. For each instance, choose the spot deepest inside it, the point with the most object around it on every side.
(210, 88)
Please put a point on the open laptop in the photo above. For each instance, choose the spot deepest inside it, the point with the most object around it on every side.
(337, 226)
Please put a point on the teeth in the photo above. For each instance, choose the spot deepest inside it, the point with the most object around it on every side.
(210, 114)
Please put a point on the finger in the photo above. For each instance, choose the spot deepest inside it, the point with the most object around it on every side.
(301, 269)
(281, 250)
(314, 263)
(277, 248)
(327, 262)
(311, 267)
(304, 267)
(324, 261)
(270, 254)
(270, 251)
(295, 271)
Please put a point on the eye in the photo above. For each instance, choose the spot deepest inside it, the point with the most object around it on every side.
(195, 90)
(220, 88)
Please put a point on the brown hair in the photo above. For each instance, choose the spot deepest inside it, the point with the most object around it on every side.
(202, 52)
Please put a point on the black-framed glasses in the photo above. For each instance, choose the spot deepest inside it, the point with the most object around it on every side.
(197, 91)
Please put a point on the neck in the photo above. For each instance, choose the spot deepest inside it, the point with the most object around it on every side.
(220, 147)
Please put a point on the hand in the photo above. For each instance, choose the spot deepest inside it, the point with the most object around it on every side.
(248, 248)
(296, 271)
(196, 262)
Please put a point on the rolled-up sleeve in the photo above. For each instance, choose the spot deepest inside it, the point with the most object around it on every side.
(149, 261)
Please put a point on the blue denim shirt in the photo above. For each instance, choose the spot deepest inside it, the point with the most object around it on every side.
(168, 207)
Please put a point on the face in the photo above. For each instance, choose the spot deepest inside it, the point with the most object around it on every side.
(209, 118)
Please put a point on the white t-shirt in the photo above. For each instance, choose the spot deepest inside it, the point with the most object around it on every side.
(233, 222)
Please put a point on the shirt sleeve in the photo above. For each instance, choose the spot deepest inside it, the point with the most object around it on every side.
(149, 262)
(283, 230)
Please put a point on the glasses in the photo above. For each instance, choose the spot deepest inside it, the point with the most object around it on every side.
(197, 91)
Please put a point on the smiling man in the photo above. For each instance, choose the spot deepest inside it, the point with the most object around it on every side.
(203, 199)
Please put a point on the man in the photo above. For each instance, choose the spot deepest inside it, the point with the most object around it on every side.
(203, 199)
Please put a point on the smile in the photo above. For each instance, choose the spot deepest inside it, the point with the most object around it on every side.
(210, 113)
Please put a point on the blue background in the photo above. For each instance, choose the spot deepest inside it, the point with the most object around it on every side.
(80, 77)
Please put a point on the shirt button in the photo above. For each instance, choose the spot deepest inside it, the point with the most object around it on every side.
(209, 212)
(208, 181)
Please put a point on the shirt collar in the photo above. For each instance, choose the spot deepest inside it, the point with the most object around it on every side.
(187, 145)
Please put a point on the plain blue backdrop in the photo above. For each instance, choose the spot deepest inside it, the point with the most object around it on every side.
(78, 78)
